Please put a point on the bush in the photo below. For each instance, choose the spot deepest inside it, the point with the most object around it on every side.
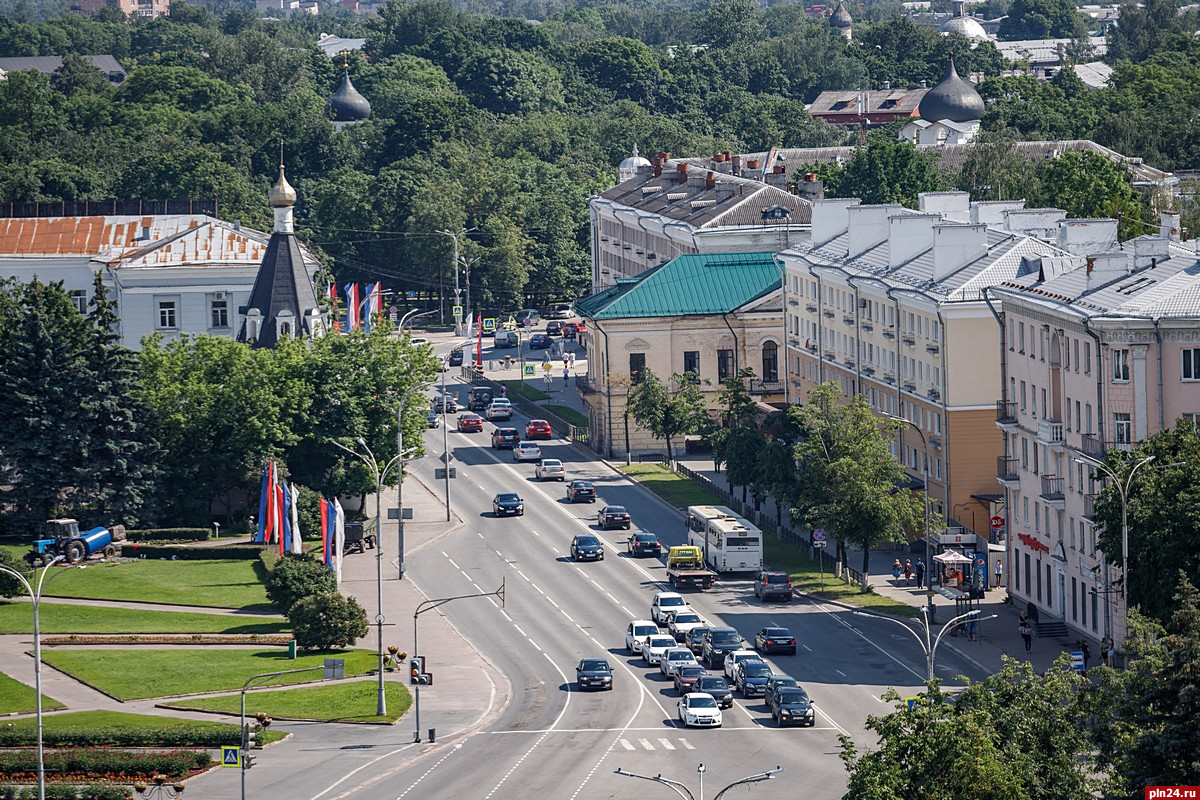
(231, 551)
(327, 621)
(80, 764)
(182, 735)
(10, 586)
(169, 535)
(295, 578)
(93, 791)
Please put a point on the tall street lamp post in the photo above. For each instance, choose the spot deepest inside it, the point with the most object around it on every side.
(928, 642)
(35, 594)
(928, 533)
(686, 793)
(457, 291)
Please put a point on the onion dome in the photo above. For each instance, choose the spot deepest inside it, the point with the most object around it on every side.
(282, 194)
(840, 17)
(953, 99)
(346, 104)
(630, 166)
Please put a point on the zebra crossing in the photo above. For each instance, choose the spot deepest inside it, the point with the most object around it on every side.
(663, 742)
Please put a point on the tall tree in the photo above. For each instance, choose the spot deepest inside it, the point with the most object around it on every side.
(668, 413)
(739, 440)
(887, 170)
(1088, 185)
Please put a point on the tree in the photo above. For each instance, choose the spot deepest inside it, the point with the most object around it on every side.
(10, 586)
(1042, 19)
(777, 475)
(739, 440)
(1088, 185)
(668, 414)
(626, 67)
(850, 480)
(994, 170)
(77, 74)
(887, 170)
(327, 621)
(297, 577)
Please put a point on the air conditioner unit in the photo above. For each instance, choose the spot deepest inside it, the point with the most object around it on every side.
(218, 295)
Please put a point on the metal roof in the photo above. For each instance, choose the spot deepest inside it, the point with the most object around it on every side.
(50, 64)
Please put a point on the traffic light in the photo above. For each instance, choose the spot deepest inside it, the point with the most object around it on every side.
(417, 675)
(253, 736)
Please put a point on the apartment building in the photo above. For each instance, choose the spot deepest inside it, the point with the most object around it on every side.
(1094, 358)
(891, 304)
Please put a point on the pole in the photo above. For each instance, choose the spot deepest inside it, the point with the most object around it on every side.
(245, 750)
(457, 291)
(925, 474)
(445, 448)
(417, 687)
(381, 703)
(400, 489)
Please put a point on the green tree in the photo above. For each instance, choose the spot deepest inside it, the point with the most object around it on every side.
(668, 414)
(76, 75)
(994, 170)
(297, 577)
(1088, 185)
(327, 621)
(850, 480)
(887, 170)
(10, 586)
(1043, 19)
(739, 440)
(776, 470)
(626, 67)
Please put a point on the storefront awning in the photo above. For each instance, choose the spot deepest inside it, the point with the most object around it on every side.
(951, 557)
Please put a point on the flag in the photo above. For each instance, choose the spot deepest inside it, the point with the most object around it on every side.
(340, 539)
(323, 507)
(260, 534)
(285, 541)
(269, 512)
(374, 304)
(333, 304)
(479, 341)
(297, 544)
(352, 319)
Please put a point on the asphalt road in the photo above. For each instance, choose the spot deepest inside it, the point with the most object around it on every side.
(556, 742)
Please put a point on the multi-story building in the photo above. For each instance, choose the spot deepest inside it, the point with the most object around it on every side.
(1093, 358)
(891, 304)
(709, 314)
(140, 8)
(666, 208)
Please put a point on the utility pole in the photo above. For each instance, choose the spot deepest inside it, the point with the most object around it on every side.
(458, 326)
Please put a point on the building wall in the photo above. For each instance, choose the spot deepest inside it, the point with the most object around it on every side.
(971, 445)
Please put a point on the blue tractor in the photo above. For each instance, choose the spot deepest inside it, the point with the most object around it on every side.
(62, 538)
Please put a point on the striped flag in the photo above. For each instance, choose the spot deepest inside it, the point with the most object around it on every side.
(297, 544)
(260, 534)
(285, 505)
(324, 507)
(353, 322)
(333, 306)
(340, 539)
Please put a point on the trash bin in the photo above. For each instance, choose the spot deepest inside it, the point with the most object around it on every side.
(292, 649)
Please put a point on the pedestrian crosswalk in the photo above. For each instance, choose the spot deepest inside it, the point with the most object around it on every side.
(664, 743)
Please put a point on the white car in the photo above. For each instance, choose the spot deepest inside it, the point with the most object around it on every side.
(551, 469)
(527, 451)
(699, 710)
(674, 658)
(654, 646)
(665, 603)
(737, 657)
(636, 632)
(499, 411)
(680, 622)
(418, 340)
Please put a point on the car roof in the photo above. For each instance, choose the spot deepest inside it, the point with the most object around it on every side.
(587, 538)
(714, 679)
(614, 508)
(506, 430)
(723, 629)
(776, 628)
(660, 595)
(646, 537)
(538, 421)
(550, 462)
(643, 622)
(592, 663)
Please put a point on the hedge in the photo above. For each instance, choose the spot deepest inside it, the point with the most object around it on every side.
(230, 551)
(183, 735)
(79, 765)
(169, 535)
(92, 791)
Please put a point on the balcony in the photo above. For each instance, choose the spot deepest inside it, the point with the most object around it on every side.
(810, 308)
(1052, 491)
(765, 387)
(585, 385)
(889, 332)
(935, 394)
(889, 376)
(909, 385)
(1089, 508)
(829, 312)
(829, 355)
(847, 319)
(868, 370)
(909, 339)
(1050, 433)
(867, 325)
(793, 343)
(812, 348)
(1006, 414)
(932, 348)
(935, 443)
(793, 301)
(850, 362)
(1098, 448)
(1008, 472)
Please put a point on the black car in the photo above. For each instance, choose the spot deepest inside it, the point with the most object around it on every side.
(752, 678)
(432, 418)
(594, 673)
(613, 517)
(775, 640)
(587, 547)
(554, 328)
(508, 504)
(581, 492)
(505, 438)
(456, 358)
(644, 544)
(793, 707)
(539, 341)
(717, 686)
(695, 639)
(718, 643)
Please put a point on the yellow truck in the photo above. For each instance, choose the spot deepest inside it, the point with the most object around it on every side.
(685, 568)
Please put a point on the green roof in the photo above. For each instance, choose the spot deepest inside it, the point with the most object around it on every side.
(707, 283)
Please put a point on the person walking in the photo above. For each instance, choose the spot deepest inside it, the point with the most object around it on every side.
(1026, 633)
(896, 570)
(566, 374)
(1087, 653)
(999, 573)
(971, 629)
(1105, 646)
(920, 572)
(907, 572)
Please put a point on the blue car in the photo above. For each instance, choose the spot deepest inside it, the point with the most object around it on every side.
(539, 341)
(752, 678)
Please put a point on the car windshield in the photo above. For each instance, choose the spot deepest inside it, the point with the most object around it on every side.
(754, 669)
(713, 684)
(645, 537)
(529, 446)
(644, 630)
(615, 510)
(701, 702)
(777, 633)
(669, 602)
(725, 637)
(679, 655)
(582, 485)
(662, 641)
(697, 633)
(793, 696)
(586, 540)
(687, 672)
(508, 497)
(594, 665)
(686, 618)
(551, 463)
(783, 680)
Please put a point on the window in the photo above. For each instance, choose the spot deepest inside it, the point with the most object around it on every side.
(166, 314)
(1120, 365)
(1068, 407)
(220, 313)
(1022, 396)
(1067, 352)
(80, 299)
(725, 369)
(691, 362)
(1074, 596)
(1077, 355)
(1191, 364)
(637, 366)
(1122, 428)
(1021, 338)
(1082, 591)
(1087, 358)
(770, 361)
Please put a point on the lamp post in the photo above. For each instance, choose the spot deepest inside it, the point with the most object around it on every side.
(35, 594)
(686, 793)
(930, 643)
(158, 786)
(446, 445)
(457, 291)
(925, 474)
(405, 319)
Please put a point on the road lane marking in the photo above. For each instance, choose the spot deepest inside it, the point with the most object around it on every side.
(625, 743)
(645, 743)
(561, 713)
(523, 633)
(686, 745)
(425, 774)
(358, 769)
(666, 743)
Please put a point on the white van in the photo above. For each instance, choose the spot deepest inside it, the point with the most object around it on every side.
(506, 339)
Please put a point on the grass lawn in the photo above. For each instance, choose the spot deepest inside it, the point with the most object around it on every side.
(569, 414)
(16, 697)
(675, 489)
(525, 389)
(335, 702)
(64, 618)
(139, 673)
(118, 721)
(233, 583)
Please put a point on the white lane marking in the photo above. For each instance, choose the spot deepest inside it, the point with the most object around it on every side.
(666, 743)
(625, 743)
(839, 672)
(645, 743)
(352, 772)
(451, 560)
(523, 633)
(806, 647)
(535, 644)
(506, 616)
(425, 774)
(523, 575)
(539, 589)
(685, 744)
(627, 611)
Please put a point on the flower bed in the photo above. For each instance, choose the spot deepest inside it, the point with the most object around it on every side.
(91, 791)
(84, 765)
(170, 638)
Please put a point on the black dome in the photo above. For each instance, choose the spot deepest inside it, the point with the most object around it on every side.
(840, 17)
(953, 99)
(346, 104)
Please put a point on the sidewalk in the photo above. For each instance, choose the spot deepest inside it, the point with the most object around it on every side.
(996, 637)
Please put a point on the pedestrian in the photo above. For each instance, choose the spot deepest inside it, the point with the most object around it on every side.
(503, 390)
(1105, 646)
(896, 570)
(999, 572)
(920, 572)
(1087, 653)
(971, 629)
(566, 374)
(907, 572)
(1026, 634)
(1111, 653)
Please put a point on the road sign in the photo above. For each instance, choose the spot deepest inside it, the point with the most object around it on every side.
(1077, 663)
(530, 370)
(820, 545)
(489, 324)
(446, 458)
(546, 367)
(440, 473)
(457, 311)
(997, 522)
(818, 534)
(912, 701)
(231, 756)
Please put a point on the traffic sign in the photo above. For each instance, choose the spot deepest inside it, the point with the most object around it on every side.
(231, 756)
(820, 545)
(1077, 663)
(997, 522)
(457, 311)
(818, 534)
(912, 700)
(530, 370)
(440, 473)
(489, 324)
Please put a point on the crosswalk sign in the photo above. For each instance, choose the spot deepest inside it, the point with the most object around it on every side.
(457, 310)
(231, 756)
(530, 370)
(489, 323)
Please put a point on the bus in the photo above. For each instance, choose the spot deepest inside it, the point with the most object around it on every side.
(731, 543)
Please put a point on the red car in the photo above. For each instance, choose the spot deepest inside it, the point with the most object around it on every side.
(470, 423)
(538, 429)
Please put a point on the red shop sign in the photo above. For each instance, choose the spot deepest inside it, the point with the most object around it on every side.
(1032, 543)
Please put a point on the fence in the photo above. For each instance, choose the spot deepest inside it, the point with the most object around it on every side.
(568, 430)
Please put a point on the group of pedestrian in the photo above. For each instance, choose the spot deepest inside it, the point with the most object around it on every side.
(908, 571)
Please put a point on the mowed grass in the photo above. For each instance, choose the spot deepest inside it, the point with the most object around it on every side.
(70, 618)
(18, 698)
(524, 389)
(231, 583)
(140, 673)
(117, 721)
(675, 489)
(334, 702)
(569, 414)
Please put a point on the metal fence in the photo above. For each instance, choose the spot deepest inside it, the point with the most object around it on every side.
(568, 430)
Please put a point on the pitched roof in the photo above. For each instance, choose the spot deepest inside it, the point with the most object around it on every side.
(282, 284)
(706, 283)
(50, 64)
(901, 102)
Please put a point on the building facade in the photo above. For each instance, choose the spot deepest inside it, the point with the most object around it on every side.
(139, 8)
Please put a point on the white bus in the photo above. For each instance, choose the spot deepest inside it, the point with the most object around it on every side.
(730, 543)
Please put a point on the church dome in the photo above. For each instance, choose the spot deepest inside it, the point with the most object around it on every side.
(953, 99)
(965, 26)
(840, 17)
(630, 166)
(282, 194)
(346, 104)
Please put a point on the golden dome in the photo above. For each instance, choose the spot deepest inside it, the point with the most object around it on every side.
(282, 194)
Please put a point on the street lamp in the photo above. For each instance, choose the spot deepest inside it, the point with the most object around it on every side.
(925, 472)
(158, 786)
(930, 643)
(404, 320)
(686, 793)
(35, 594)
(457, 291)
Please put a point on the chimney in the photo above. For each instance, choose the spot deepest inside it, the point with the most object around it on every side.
(810, 188)
(681, 171)
(1105, 267)
(718, 158)
(991, 212)
(777, 178)
(737, 166)
(955, 246)
(954, 206)
(657, 166)
(710, 180)
(752, 163)
(1149, 249)
(909, 235)
(887, 85)
(1168, 223)
(831, 216)
(868, 226)
(1041, 223)
(1082, 237)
